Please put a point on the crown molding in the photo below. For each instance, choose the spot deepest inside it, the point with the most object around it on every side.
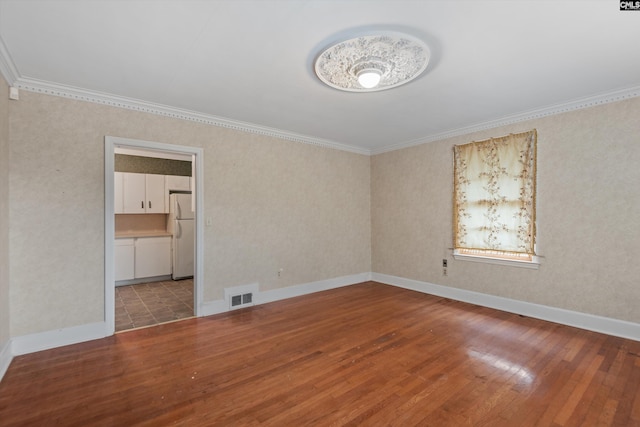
(578, 104)
(12, 76)
(49, 88)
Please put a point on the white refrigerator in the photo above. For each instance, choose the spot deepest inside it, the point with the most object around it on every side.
(181, 226)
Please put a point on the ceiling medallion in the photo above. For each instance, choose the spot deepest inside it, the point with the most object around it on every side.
(372, 63)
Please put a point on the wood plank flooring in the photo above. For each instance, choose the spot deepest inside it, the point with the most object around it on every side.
(364, 355)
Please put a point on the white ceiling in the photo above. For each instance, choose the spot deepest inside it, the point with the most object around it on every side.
(249, 64)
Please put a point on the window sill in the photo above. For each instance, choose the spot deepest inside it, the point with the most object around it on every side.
(533, 264)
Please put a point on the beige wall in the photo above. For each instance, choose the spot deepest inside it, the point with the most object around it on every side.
(4, 214)
(588, 208)
(274, 204)
(316, 213)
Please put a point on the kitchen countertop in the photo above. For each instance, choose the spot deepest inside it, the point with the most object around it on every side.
(132, 234)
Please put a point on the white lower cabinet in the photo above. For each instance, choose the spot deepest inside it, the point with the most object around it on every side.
(153, 256)
(140, 257)
(124, 259)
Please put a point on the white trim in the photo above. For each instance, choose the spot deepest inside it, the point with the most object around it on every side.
(209, 308)
(143, 279)
(111, 142)
(577, 104)
(79, 94)
(309, 288)
(222, 306)
(605, 325)
(5, 358)
(109, 236)
(49, 88)
(154, 154)
(73, 335)
(58, 338)
(533, 264)
(13, 78)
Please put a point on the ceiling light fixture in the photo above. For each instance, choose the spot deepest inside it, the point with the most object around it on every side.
(369, 78)
(372, 63)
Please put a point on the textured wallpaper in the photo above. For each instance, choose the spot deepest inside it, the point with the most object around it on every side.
(140, 164)
(4, 213)
(274, 205)
(588, 204)
(317, 213)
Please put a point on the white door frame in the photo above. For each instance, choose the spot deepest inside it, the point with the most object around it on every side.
(110, 143)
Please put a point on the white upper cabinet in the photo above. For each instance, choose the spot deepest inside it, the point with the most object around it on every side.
(134, 193)
(146, 193)
(155, 192)
(141, 193)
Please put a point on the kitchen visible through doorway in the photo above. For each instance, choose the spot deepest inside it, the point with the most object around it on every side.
(148, 304)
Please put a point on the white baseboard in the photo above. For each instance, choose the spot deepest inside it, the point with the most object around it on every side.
(5, 358)
(605, 325)
(76, 334)
(209, 308)
(222, 306)
(143, 280)
(309, 288)
(57, 338)
(73, 335)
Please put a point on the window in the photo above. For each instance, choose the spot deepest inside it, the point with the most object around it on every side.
(494, 213)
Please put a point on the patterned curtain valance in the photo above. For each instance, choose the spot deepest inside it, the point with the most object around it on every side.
(494, 196)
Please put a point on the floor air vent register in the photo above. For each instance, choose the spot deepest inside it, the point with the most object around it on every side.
(241, 296)
(242, 300)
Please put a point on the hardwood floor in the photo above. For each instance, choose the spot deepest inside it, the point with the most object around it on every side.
(364, 355)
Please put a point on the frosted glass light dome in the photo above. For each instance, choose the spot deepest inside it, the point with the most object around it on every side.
(369, 79)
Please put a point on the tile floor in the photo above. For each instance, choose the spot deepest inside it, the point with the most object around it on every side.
(148, 304)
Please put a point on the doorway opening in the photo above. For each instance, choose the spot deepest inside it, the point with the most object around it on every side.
(152, 303)
(153, 241)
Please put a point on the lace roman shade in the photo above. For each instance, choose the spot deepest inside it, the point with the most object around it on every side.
(494, 197)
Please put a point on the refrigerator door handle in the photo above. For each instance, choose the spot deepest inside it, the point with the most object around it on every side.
(179, 234)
